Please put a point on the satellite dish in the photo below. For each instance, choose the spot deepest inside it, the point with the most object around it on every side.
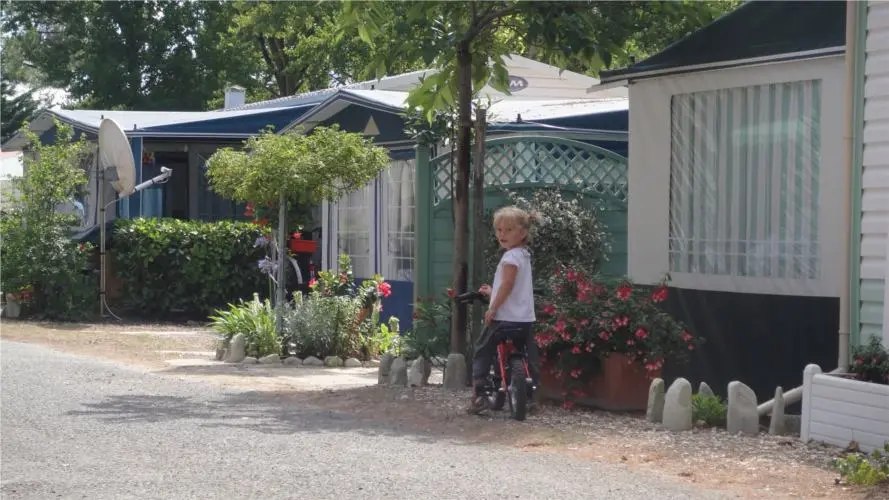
(116, 165)
(116, 157)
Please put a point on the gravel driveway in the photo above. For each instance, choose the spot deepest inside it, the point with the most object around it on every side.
(75, 427)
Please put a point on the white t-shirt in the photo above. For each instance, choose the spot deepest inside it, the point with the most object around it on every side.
(519, 306)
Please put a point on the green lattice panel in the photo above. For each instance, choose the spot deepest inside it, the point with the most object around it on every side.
(542, 162)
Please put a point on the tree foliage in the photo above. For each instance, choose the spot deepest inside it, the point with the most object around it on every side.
(14, 109)
(38, 254)
(324, 165)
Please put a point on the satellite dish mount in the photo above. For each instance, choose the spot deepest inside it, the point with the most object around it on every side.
(116, 166)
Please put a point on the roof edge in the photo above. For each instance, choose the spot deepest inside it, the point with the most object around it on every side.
(627, 74)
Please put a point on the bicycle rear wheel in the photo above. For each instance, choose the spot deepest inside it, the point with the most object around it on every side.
(518, 390)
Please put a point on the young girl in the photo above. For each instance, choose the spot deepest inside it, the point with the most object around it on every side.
(511, 310)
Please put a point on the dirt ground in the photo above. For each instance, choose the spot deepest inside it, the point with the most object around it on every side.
(762, 467)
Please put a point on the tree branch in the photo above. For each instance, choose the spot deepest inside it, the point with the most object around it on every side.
(480, 24)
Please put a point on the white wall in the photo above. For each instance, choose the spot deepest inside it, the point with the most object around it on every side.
(875, 175)
(649, 174)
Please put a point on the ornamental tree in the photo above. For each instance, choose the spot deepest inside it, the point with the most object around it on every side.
(294, 172)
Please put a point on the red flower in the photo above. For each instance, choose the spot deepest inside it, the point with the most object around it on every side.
(571, 275)
(451, 293)
(686, 337)
(249, 211)
(623, 293)
(659, 295)
(385, 289)
(604, 335)
(575, 349)
(296, 235)
(549, 309)
(313, 283)
(641, 333)
(560, 326)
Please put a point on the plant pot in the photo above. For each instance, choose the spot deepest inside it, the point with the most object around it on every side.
(621, 385)
(302, 246)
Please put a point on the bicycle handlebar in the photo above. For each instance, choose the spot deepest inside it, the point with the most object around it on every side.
(470, 297)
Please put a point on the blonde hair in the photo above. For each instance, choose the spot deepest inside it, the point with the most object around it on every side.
(515, 215)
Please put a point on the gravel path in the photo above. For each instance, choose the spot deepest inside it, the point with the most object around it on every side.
(75, 427)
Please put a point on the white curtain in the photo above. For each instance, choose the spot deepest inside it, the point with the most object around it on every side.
(400, 204)
(744, 187)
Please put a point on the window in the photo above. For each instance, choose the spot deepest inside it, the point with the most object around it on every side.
(400, 205)
(376, 226)
(744, 181)
(353, 230)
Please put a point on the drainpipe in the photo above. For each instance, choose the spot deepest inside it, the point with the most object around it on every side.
(851, 257)
(796, 394)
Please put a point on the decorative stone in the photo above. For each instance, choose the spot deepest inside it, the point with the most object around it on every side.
(385, 365)
(705, 390)
(271, 359)
(677, 406)
(655, 411)
(352, 363)
(333, 361)
(372, 363)
(292, 360)
(455, 372)
(312, 361)
(250, 360)
(417, 375)
(742, 415)
(237, 349)
(398, 372)
(776, 424)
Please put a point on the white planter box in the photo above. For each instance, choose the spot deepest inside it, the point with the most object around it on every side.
(837, 410)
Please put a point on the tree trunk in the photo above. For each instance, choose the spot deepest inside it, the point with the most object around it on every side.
(479, 229)
(461, 194)
(281, 291)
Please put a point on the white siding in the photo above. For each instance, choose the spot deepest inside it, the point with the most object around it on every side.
(875, 174)
(838, 410)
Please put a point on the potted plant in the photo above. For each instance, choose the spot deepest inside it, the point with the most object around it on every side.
(603, 340)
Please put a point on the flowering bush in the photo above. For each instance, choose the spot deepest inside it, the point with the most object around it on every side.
(565, 231)
(342, 284)
(870, 362)
(589, 318)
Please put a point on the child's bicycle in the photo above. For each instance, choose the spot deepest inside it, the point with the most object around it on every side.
(511, 375)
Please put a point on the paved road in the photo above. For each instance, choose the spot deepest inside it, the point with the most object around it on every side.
(75, 427)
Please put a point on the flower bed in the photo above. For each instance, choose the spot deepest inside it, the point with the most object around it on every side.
(602, 340)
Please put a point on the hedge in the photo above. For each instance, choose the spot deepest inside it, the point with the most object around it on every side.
(191, 267)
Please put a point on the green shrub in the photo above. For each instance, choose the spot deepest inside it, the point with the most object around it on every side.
(322, 326)
(41, 265)
(169, 265)
(865, 470)
(709, 409)
(430, 336)
(255, 319)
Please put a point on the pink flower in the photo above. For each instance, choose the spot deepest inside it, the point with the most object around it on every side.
(451, 293)
(560, 326)
(385, 289)
(313, 283)
(604, 335)
(641, 334)
(623, 292)
(575, 373)
(660, 294)
(621, 321)
(549, 309)
(575, 349)
(686, 336)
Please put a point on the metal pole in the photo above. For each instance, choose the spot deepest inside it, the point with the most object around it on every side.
(101, 199)
(280, 292)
